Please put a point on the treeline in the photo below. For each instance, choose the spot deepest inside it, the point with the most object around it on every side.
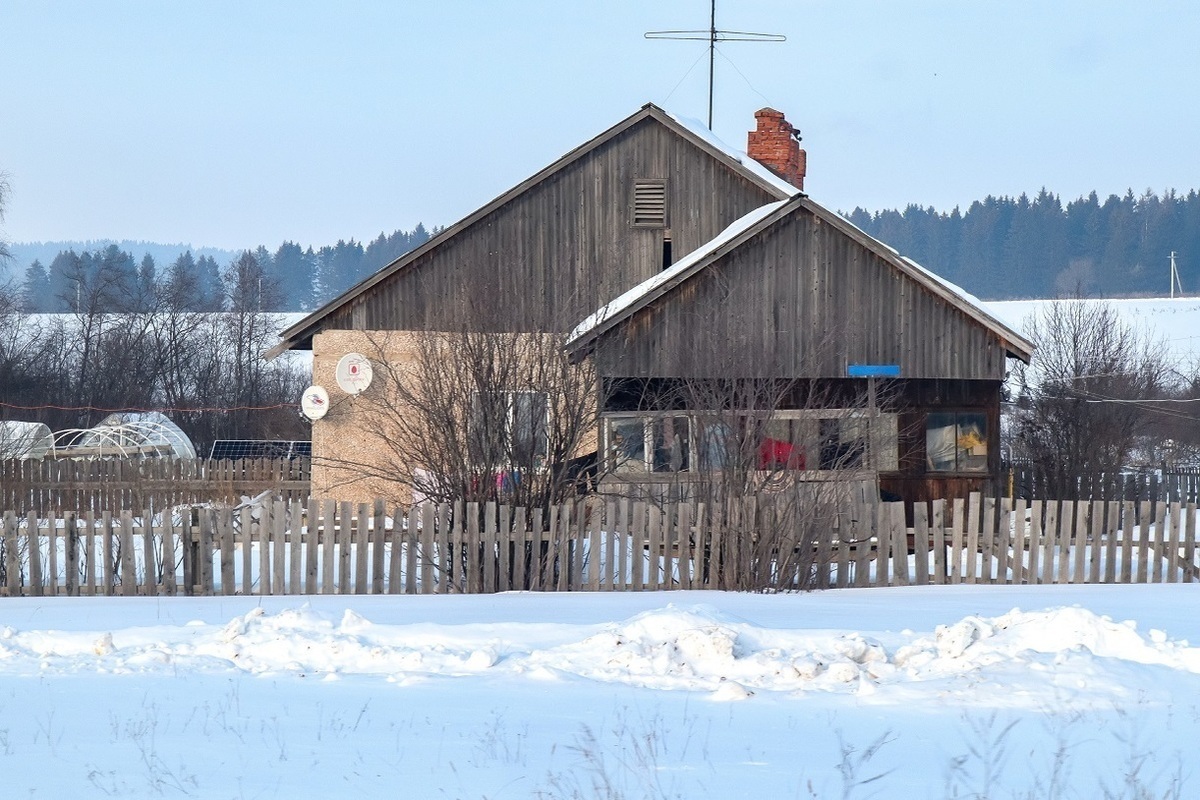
(1004, 247)
(164, 350)
(298, 279)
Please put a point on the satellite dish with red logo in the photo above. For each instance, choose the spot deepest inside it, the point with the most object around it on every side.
(354, 373)
(314, 403)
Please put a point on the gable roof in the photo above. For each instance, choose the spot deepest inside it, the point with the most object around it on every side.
(302, 331)
(749, 226)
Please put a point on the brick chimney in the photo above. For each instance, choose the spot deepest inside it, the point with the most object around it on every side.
(776, 145)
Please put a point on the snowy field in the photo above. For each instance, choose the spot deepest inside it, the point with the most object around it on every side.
(1173, 322)
(1087, 692)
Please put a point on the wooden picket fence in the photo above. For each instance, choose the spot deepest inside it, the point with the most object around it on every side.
(155, 483)
(327, 547)
(1169, 483)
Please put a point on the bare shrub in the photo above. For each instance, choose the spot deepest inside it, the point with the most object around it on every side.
(1084, 399)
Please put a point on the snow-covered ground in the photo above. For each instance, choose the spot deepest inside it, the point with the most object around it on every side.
(939, 691)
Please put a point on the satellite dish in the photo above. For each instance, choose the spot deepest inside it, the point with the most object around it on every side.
(314, 402)
(354, 373)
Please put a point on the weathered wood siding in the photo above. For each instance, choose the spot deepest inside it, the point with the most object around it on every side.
(565, 245)
(801, 299)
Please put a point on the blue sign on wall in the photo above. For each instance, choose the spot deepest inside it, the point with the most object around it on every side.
(873, 370)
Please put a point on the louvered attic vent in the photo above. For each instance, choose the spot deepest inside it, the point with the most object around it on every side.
(650, 204)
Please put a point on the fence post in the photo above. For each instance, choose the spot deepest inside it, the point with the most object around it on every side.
(505, 542)
(429, 551)
(328, 554)
(71, 554)
(1034, 572)
(361, 548)
(899, 537)
(34, 548)
(921, 543)
(974, 515)
(487, 548)
(168, 553)
(562, 546)
(410, 552)
(1004, 548)
(537, 558)
(225, 537)
(1020, 542)
(378, 534)
(208, 522)
(245, 528)
(1189, 542)
(12, 563)
(312, 546)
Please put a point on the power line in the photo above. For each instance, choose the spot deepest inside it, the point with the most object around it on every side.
(160, 409)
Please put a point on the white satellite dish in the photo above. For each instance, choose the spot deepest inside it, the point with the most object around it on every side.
(314, 402)
(354, 373)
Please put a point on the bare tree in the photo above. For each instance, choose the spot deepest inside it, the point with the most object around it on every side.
(5, 190)
(470, 415)
(1178, 422)
(1083, 401)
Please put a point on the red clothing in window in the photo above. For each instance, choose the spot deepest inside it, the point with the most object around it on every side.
(778, 454)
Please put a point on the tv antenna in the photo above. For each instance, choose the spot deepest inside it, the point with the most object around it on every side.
(712, 36)
(1175, 277)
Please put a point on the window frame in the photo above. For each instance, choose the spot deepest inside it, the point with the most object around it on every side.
(877, 458)
(541, 459)
(958, 414)
(649, 449)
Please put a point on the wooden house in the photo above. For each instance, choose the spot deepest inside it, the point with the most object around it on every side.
(672, 261)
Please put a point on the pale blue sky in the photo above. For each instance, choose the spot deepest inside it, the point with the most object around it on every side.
(232, 124)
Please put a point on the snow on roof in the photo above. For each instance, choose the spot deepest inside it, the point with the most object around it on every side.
(698, 129)
(629, 298)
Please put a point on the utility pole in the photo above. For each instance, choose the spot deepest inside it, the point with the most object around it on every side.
(712, 36)
(1175, 277)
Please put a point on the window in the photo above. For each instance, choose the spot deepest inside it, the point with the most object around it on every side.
(508, 428)
(830, 439)
(650, 204)
(659, 443)
(956, 442)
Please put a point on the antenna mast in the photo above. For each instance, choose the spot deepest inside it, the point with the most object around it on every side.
(712, 36)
